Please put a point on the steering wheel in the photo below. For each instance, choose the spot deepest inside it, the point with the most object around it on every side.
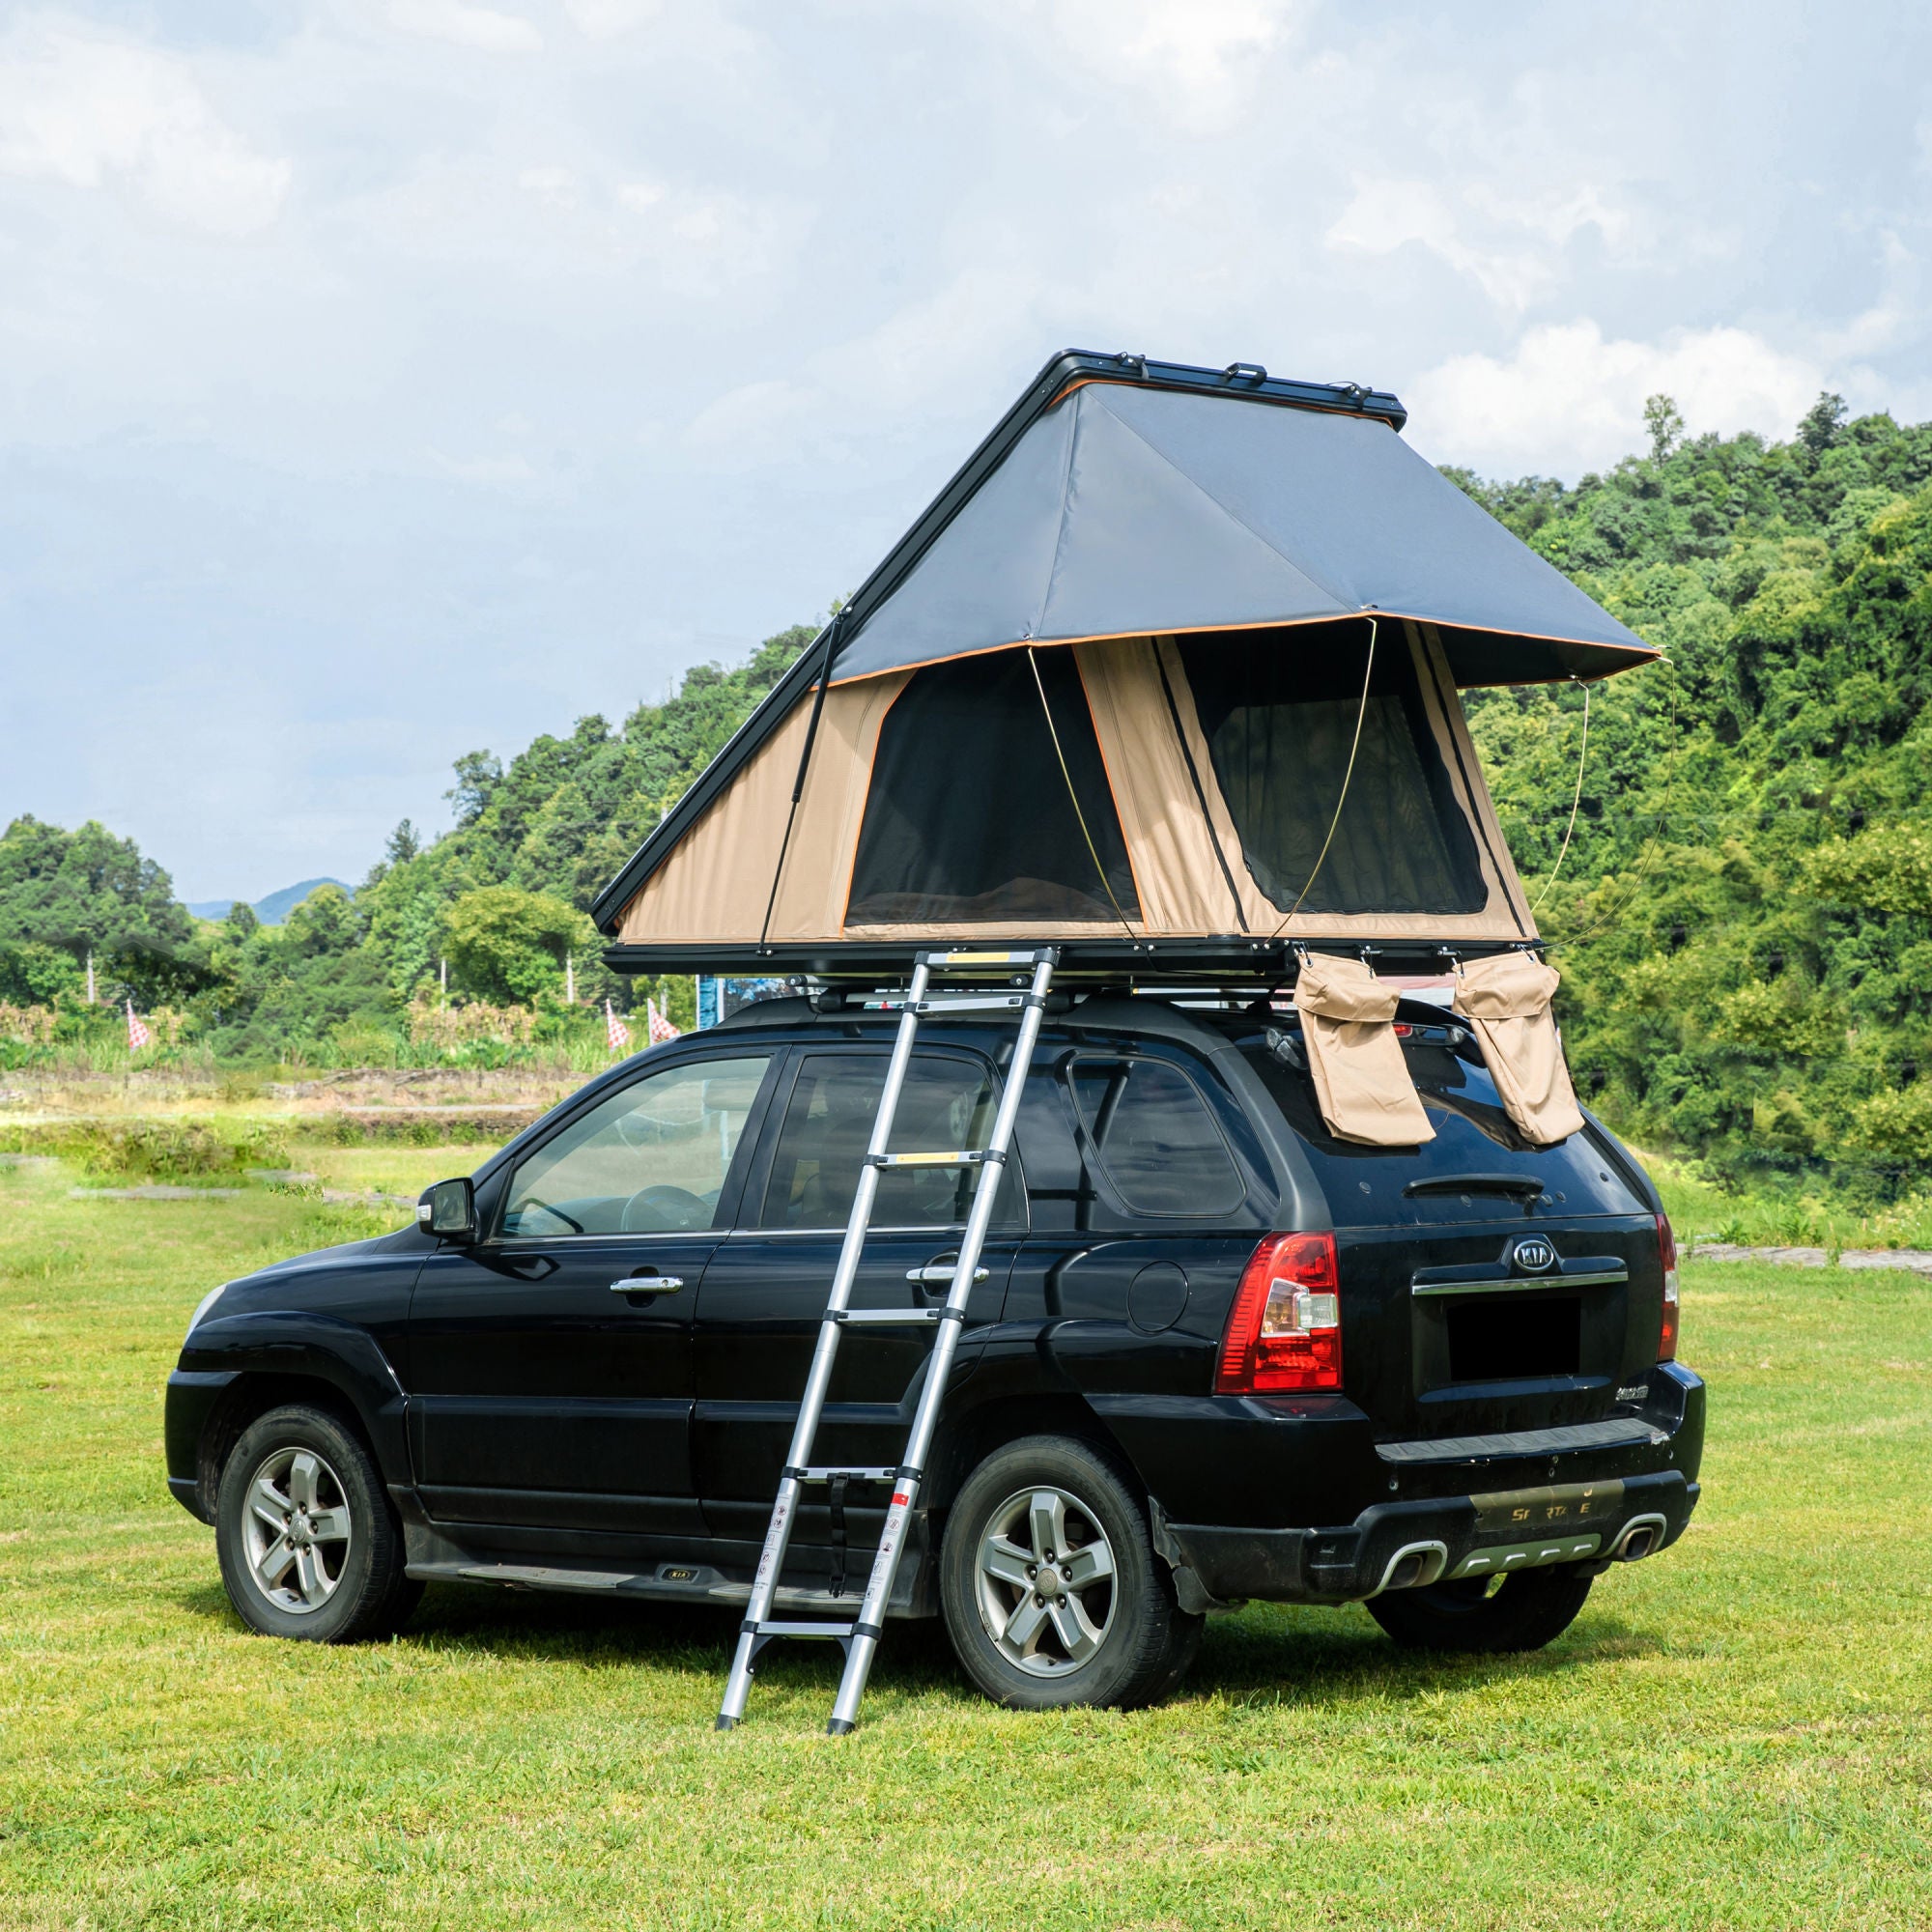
(664, 1210)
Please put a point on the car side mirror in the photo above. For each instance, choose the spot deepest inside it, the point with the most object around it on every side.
(448, 1209)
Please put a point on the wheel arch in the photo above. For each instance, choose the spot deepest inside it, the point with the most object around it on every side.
(972, 1432)
(250, 1396)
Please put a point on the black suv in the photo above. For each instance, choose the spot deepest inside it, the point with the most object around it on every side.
(1216, 1354)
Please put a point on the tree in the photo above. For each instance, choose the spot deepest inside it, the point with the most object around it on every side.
(1824, 423)
(87, 891)
(478, 774)
(1664, 425)
(509, 945)
(404, 844)
(323, 923)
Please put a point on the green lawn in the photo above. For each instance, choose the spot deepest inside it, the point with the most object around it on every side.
(1735, 1735)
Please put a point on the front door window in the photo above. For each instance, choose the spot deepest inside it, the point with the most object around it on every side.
(651, 1159)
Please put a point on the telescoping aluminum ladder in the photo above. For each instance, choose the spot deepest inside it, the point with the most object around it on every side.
(861, 1637)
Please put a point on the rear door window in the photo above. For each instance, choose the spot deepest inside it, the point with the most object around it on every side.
(1154, 1137)
(945, 1106)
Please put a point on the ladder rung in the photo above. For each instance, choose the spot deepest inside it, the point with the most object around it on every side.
(837, 1632)
(916, 1317)
(857, 1475)
(972, 1002)
(968, 1157)
(967, 958)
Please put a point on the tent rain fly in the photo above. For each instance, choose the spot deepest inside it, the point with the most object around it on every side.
(1168, 674)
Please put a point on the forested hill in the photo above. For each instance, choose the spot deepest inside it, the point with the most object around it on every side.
(1744, 916)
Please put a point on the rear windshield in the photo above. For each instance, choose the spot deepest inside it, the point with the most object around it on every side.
(1473, 1137)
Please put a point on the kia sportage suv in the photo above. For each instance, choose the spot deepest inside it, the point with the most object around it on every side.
(1214, 1353)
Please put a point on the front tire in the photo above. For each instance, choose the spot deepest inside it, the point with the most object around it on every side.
(1483, 1616)
(309, 1545)
(1050, 1587)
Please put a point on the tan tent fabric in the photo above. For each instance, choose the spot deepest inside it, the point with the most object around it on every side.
(715, 885)
(1183, 884)
(1506, 1000)
(717, 881)
(818, 868)
(1361, 1081)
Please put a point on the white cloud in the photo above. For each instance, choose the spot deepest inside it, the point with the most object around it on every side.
(607, 19)
(702, 240)
(1199, 60)
(1519, 258)
(556, 185)
(465, 25)
(487, 472)
(751, 426)
(91, 112)
(1568, 400)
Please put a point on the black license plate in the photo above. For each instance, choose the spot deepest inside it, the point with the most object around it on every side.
(1514, 1338)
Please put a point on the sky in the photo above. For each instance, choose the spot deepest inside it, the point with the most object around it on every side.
(385, 379)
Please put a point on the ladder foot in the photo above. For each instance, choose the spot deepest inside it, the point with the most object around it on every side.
(839, 1727)
(724, 1723)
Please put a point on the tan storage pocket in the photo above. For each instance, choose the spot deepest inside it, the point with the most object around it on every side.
(1506, 1000)
(1361, 1082)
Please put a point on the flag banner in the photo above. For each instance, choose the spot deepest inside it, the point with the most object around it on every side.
(660, 1027)
(618, 1034)
(138, 1034)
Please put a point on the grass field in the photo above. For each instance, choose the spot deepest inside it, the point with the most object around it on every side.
(1737, 1734)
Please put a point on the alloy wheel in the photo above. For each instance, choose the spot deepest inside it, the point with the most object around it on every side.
(296, 1530)
(1045, 1578)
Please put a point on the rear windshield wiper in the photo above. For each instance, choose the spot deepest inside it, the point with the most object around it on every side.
(1527, 1186)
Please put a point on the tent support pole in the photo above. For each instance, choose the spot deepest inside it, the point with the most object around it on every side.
(798, 783)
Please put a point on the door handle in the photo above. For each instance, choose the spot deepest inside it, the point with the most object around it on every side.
(647, 1284)
(942, 1272)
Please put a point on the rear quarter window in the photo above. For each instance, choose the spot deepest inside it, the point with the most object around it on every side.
(1153, 1136)
(1366, 1185)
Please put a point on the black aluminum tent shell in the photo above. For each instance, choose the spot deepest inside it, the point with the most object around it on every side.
(1122, 495)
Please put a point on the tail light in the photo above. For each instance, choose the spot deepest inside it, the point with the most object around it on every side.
(1666, 1255)
(1284, 1329)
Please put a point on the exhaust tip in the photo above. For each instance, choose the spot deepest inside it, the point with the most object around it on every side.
(1639, 1539)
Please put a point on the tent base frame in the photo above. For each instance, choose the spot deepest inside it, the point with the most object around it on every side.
(1234, 960)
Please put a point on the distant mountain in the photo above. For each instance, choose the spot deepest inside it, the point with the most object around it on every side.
(272, 910)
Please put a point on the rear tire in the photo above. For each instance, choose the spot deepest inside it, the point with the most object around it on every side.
(1483, 1616)
(309, 1545)
(1050, 1587)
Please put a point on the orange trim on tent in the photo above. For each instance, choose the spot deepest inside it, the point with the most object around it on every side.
(1648, 653)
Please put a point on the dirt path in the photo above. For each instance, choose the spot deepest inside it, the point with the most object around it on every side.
(1913, 1260)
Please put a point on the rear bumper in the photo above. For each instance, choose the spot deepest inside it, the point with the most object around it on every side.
(1395, 1546)
(1299, 1502)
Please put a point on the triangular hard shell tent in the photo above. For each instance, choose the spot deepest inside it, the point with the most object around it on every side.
(1109, 692)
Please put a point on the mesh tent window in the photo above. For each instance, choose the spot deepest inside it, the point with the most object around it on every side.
(968, 817)
(1279, 727)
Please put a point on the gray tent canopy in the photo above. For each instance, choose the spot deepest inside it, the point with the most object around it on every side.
(1108, 689)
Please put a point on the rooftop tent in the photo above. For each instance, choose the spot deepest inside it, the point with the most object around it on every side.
(1112, 688)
